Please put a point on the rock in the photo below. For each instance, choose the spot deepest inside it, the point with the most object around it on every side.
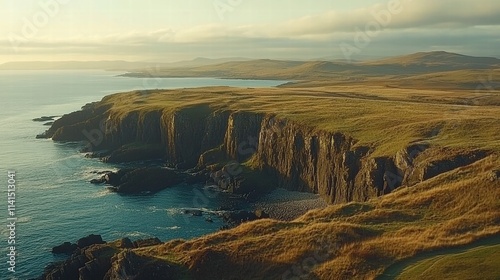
(194, 212)
(95, 154)
(113, 260)
(88, 264)
(135, 152)
(65, 248)
(236, 218)
(198, 177)
(147, 242)
(129, 265)
(440, 166)
(43, 135)
(260, 214)
(124, 243)
(48, 123)
(98, 181)
(150, 179)
(494, 175)
(89, 240)
(44, 119)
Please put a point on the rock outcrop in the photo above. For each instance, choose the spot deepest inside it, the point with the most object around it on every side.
(113, 260)
(148, 179)
(247, 151)
(69, 248)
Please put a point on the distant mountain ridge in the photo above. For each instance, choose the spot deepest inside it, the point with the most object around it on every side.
(446, 70)
(111, 64)
(432, 70)
(436, 58)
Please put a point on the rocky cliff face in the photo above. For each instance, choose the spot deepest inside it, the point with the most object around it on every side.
(296, 156)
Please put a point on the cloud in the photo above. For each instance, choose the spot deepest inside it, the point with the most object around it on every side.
(405, 27)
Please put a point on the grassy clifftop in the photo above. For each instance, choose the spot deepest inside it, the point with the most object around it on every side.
(387, 119)
(455, 203)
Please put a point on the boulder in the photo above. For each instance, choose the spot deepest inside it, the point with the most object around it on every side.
(260, 214)
(89, 240)
(194, 212)
(238, 217)
(494, 175)
(44, 119)
(137, 152)
(124, 243)
(150, 179)
(65, 248)
(129, 265)
(147, 242)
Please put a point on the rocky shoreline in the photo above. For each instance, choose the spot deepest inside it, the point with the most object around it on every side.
(93, 258)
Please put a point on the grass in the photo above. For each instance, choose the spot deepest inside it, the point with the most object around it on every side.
(386, 119)
(476, 263)
(357, 240)
(360, 240)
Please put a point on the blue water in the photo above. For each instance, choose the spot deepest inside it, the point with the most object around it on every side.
(54, 201)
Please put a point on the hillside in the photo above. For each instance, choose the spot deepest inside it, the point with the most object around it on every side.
(439, 58)
(409, 172)
(356, 240)
(388, 71)
(345, 241)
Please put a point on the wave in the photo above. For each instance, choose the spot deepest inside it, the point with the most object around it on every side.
(168, 228)
(102, 193)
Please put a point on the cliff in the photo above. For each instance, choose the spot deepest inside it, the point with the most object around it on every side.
(359, 147)
(279, 151)
(375, 239)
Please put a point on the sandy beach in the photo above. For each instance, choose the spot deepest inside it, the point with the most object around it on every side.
(288, 205)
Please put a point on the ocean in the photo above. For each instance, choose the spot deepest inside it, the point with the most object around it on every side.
(54, 201)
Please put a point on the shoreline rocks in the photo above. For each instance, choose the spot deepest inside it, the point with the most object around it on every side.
(107, 260)
(45, 119)
(140, 180)
(69, 248)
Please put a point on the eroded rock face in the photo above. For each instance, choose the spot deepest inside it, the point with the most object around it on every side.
(69, 248)
(283, 153)
(129, 265)
(88, 263)
(148, 179)
(114, 260)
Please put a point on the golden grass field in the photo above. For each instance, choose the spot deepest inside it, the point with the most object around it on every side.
(412, 233)
(358, 240)
(388, 119)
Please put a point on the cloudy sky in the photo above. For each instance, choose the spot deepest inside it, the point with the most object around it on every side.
(168, 30)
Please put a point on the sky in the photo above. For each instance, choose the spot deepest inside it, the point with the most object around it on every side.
(167, 30)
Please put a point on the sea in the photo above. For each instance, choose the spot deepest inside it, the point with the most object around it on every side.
(54, 201)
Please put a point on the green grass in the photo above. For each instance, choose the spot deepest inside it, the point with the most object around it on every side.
(477, 263)
(386, 119)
